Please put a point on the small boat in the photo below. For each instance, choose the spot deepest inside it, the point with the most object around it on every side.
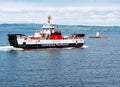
(96, 36)
(49, 37)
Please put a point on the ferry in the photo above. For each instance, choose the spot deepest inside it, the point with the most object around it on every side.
(49, 37)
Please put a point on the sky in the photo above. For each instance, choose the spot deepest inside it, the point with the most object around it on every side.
(67, 12)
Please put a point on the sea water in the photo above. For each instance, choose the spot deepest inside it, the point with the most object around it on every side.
(96, 64)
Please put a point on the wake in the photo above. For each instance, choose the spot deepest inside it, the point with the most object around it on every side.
(9, 48)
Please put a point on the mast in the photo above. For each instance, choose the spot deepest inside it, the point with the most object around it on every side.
(49, 19)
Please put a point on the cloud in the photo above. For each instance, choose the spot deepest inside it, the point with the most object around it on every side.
(35, 13)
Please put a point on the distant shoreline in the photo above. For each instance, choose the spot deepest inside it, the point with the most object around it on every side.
(7, 24)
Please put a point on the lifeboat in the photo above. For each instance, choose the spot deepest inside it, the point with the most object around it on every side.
(49, 37)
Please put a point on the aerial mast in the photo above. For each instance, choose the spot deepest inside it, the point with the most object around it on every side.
(49, 19)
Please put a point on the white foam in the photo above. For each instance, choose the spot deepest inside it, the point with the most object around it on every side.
(84, 46)
(9, 48)
(68, 48)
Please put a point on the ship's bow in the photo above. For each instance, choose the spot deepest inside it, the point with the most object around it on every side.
(12, 38)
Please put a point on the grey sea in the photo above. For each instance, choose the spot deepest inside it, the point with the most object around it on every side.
(96, 64)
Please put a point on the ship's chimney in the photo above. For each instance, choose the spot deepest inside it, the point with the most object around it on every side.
(49, 19)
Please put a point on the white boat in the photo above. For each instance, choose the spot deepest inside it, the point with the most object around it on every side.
(49, 37)
(96, 36)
